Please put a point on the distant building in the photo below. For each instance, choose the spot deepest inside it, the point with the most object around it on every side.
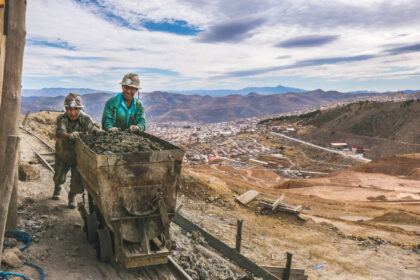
(339, 145)
(272, 164)
(214, 159)
(357, 150)
(257, 162)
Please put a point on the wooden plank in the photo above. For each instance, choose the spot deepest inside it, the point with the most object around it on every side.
(247, 197)
(277, 202)
(224, 249)
(295, 274)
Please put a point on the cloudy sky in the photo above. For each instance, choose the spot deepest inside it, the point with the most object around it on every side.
(344, 45)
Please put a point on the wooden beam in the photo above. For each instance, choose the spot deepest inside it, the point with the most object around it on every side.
(277, 202)
(286, 274)
(15, 31)
(26, 118)
(247, 197)
(2, 45)
(239, 235)
(7, 174)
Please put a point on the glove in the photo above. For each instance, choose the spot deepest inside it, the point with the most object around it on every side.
(98, 131)
(113, 129)
(74, 135)
(134, 129)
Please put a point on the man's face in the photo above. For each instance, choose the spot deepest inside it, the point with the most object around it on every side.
(128, 92)
(73, 113)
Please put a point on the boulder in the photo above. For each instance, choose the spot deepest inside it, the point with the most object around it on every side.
(11, 258)
(28, 172)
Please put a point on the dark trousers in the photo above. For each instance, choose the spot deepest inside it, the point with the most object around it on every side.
(61, 169)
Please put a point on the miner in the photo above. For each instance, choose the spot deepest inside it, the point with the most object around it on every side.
(69, 126)
(124, 111)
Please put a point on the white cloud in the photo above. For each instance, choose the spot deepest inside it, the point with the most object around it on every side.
(362, 27)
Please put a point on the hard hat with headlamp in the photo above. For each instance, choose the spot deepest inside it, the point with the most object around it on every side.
(73, 100)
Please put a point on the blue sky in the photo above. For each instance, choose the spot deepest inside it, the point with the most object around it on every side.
(185, 45)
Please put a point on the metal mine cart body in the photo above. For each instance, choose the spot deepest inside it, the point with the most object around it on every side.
(131, 201)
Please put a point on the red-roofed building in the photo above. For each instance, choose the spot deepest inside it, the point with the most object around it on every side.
(357, 150)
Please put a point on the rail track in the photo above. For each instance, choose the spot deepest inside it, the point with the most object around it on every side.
(169, 271)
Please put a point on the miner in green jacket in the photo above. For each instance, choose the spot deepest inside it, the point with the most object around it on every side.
(124, 111)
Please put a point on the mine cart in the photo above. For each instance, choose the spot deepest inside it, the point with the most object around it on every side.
(131, 201)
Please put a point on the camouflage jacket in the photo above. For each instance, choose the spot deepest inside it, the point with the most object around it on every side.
(64, 147)
(117, 114)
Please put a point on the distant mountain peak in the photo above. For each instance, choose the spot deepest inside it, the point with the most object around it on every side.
(279, 89)
(253, 93)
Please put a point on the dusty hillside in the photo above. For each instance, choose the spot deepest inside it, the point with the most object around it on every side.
(385, 128)
(398, 165)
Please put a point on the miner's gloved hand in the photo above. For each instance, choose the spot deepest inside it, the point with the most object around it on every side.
(113, 129)
(134, 129)
(98, 131)
(74, 135)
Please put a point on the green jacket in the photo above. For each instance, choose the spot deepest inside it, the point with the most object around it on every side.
(117, 114)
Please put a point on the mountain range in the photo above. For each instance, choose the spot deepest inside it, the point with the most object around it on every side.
(259, 90)
(51, 92)
(165, 107)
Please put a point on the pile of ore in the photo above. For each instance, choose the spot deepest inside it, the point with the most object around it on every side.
(120, 142)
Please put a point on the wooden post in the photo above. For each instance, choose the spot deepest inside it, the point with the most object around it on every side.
(7, 174)
(286, 274)
(26, 118)
(2, 45)
(12, 215)
(239, 235)
(14, 23)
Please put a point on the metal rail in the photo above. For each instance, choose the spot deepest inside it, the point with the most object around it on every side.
(44, 162)
(179, 271)
(37, 137)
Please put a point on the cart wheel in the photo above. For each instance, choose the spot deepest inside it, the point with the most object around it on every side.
(104, 245)
(91, 227)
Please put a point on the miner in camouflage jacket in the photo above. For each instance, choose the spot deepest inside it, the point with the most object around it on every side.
(69, 125)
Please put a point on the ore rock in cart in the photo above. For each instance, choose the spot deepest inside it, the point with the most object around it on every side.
(131, 201)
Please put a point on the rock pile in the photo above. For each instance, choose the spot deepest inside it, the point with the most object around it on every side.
(191, 252)
(120, 142)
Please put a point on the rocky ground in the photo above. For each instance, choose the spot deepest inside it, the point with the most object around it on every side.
(60, 247)
(356, 224)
